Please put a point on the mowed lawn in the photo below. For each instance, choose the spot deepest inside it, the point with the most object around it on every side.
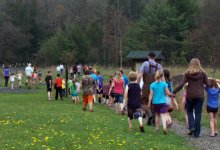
(30, 121)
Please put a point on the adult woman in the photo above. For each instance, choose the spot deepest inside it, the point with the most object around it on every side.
(196, 77)
(6, 75)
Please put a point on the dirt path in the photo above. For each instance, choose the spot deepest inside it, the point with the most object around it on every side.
(205, 142)
(18, 90)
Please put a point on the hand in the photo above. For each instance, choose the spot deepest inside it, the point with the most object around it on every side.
(149, 105)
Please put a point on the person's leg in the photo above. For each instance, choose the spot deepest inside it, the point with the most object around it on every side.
(48, 94)
(90, 101)
(164, 122)
(212, 126)
(56, 96)
(85, 102)
(215, 123)
(198, 115)
(187, 120)
(189, 107)
(12, 85)
(157, 121)
(107, 100)
(20, 83)
(94, 98)
(60, 92)
(121, 103)
(6, 81)
(130, 123)
(99, 98)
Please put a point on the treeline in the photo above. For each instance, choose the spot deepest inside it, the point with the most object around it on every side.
(48, 32)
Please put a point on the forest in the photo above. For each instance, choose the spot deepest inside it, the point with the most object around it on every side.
(47, 32)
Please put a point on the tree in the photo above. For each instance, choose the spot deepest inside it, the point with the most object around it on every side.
(205, 39)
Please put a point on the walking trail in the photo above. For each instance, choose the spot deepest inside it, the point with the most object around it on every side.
(204, 142)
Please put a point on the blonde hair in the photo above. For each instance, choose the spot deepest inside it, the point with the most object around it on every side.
(195, 67)
(132, 76)
(118, 75)
(159, 75)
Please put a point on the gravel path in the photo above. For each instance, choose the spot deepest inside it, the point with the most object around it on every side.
(18, 90)
(205, 142)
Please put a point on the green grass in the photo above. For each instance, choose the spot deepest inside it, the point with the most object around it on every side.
(30, 121)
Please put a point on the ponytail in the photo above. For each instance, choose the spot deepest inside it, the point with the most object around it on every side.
(159, 75)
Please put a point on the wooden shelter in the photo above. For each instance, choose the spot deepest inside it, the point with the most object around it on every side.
(136, 58)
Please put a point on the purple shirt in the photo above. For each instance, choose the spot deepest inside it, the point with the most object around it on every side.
(145, 67)
(7, 72)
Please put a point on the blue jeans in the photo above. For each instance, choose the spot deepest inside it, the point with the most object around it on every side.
(195, 105)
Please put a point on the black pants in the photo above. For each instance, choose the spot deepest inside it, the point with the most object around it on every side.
(59, 90)
(6, 81)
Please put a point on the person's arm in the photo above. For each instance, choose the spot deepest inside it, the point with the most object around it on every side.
(217, 80)
(150, 97)
(183, 82)
(169, 93)
(50, 81)
(207, 83)
(140, 75)
(176, 104)
(125, 96)
(141, 72)
(113, 85)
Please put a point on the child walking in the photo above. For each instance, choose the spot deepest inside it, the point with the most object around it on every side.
(118, 85)
(132, 97)
(73, 90)
(158, 92)
(169, 100)
(63, 87)
(39, 75)
(212, 105)
(78, 86)
(19, 77)
(106, 89)
(12, 80)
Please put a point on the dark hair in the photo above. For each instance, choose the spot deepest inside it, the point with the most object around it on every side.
(121, 70)
(166, 74)
(87, 72)
(49, 72)
(58, 75)
(98, 72)
(152, 55)
(213, 83)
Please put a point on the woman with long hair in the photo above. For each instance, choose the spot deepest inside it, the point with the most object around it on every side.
(196, 78)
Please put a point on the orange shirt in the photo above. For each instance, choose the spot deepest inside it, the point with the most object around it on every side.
(58, 82)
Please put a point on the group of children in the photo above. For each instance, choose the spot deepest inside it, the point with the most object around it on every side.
(161, 97)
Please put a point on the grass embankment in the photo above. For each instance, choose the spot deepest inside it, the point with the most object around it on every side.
(30, 121)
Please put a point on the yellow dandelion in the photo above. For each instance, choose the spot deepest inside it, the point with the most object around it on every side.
(46, 138)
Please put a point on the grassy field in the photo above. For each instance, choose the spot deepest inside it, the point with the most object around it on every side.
(30, 121)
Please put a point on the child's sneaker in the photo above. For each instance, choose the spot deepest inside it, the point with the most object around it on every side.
(142, 129)
(165, 132)
(84, 109)
(91, 110)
